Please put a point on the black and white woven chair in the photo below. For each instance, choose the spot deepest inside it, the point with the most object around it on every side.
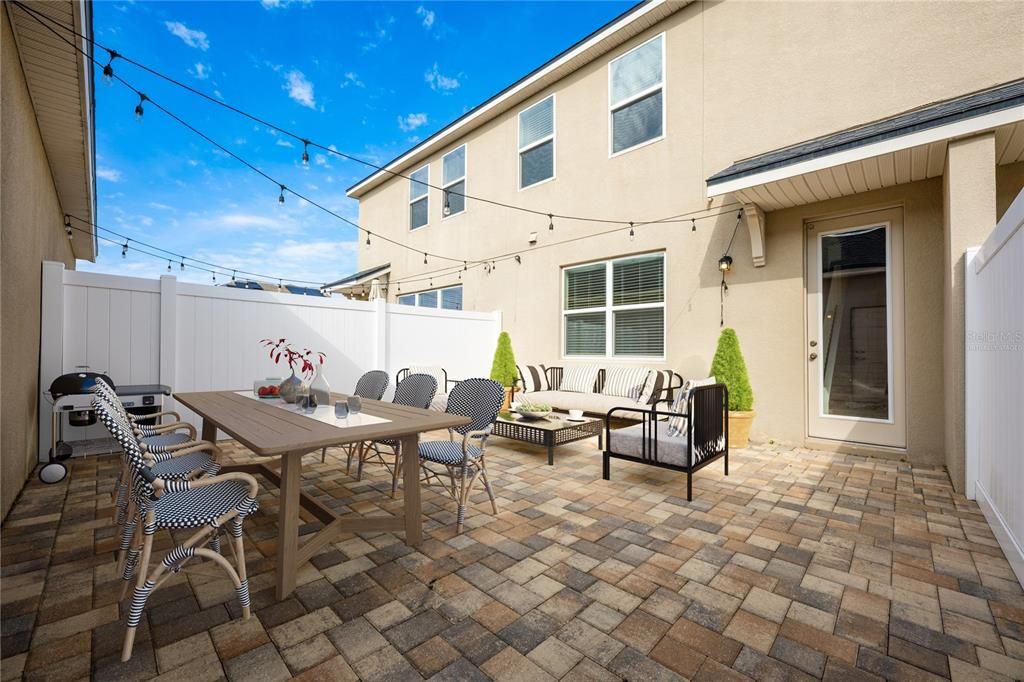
(371, 386)
(463, 462)
(415, 390)
(159, 437)
(205, 505)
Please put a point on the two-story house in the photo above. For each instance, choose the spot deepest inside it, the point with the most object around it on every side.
(843, 155)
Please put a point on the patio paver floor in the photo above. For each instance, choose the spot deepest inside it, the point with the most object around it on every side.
(801, 564)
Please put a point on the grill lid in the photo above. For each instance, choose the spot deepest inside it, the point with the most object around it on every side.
(76, 383)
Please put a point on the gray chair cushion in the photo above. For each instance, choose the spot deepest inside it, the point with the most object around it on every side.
(629, 441)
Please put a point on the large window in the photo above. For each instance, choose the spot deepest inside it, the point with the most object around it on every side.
(537, 143)
(615, 308)
(419, 201)
(453, 170)
(636, 96)
(449, 298)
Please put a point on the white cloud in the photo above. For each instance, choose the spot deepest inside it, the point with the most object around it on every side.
(300, 88)
(191, 37)
(284, 143)
(439, 81)
(275, 4)
(411, 122)
(108, 174)
(381, 33)
(162, 207)
(352, 78)
(200, 71)
(427, 16)
(321, 160)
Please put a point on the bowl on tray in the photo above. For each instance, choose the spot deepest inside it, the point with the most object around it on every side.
(533, 411)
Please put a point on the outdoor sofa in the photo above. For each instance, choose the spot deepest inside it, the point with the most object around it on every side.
(596, 390)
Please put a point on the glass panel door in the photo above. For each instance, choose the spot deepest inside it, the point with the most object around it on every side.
(855, 329)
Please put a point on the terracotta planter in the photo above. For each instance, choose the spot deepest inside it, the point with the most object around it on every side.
(507, 405)
(739, 428)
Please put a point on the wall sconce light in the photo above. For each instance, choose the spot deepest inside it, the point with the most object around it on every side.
(725, 263)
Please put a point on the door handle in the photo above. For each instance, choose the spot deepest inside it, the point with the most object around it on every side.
(812, 356)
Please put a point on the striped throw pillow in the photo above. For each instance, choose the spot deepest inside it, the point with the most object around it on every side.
(534, 378)
(677, 425)
(657, 382)
(579, 379)
(625, 382)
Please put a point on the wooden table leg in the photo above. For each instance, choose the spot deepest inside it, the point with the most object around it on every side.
(209, 431)
(411, 481)
(288, 525)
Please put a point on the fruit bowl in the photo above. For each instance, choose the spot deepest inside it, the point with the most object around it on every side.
(534, 410)
(267, 389)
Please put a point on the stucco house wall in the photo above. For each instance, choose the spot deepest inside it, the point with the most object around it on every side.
(31, 231)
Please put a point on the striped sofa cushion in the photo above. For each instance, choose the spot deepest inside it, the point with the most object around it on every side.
(534, 378)
(579, 379)
(625, 382)
(677, 425)
(657, 382)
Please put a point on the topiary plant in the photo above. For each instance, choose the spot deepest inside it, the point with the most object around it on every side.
(504, 369)
(729, 368)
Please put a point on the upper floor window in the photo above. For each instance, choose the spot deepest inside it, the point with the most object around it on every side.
(636, 95)
(537, 143)
(419, 199)
(453, 168)
(615, 308)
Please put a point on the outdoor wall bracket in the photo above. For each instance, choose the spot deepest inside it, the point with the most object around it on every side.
(755, 225)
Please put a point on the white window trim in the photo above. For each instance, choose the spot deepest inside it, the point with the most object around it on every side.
(438, 291)
(537, 143)
(609, 310)
(613, 106)
(465, 172)
(425, 195)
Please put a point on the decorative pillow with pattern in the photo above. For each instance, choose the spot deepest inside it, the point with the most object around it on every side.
(579, 379)
(534, 378)
(654, 388)
(625, 382)
(677, 425)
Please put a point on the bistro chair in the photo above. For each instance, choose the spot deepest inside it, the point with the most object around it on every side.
(695, 434)
(158, 437)
(371, 386)
(415, 390)
(463, 461)
(205, 505)
(440, 374)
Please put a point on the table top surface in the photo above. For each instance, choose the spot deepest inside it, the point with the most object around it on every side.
(552, 422)
(271, 431)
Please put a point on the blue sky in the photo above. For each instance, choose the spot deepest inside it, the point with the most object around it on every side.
(370, 78)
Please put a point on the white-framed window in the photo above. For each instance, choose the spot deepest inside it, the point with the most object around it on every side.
(636, 96)
(615, 308)
(448, 298)
(537, 143)
(453, 172)
(419, 198)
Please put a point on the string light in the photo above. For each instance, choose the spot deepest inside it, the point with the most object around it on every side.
(631, 233)
(214, 276)
(424, 257)
(108, 70)
(551, 222)
(124, 249)
(518, 259)
(67, 228)
(367, 237)
(280, 197)
(305, 153)
(693, 224)
(138, 107)
(168, 265)
(447, 206)
(183, 265)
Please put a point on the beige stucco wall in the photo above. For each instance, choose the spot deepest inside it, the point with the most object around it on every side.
(742, 78)
(30, 231)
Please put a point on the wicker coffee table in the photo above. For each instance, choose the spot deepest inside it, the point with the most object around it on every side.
(551, 432)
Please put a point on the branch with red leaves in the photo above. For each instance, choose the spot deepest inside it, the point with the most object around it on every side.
(304, 359)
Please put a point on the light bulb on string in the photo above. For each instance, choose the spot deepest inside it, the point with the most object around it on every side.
(233, 276)
(124, 249)
(183, 265)
(280, 197)
(693, 224)
(631, 232)
(518, 259)
(447, 205)
(551, 221)
(138, 107)
(108, 70)
(367, 237)
(168, 266)
(305, 153)
(213, 275)
(67, 227)
(424, 257)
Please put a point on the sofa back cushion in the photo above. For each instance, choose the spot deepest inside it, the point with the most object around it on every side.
(625, 382)
(579, 379)
(534, 378)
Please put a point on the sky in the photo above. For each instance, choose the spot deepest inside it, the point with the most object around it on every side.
(372, 79)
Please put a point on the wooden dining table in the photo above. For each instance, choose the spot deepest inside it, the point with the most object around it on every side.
(278, 437)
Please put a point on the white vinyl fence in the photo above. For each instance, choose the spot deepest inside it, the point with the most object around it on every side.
(994, 282)
(195, 337)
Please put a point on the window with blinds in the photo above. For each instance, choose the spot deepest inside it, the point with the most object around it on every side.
(408, 299)
(537, 143)
(636, 95)
(453, 171)
(419, 198)
(615, 308)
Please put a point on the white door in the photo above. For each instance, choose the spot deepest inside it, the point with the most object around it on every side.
(855, 352)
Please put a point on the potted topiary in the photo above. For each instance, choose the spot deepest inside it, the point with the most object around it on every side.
(504, 370)
(729, 368)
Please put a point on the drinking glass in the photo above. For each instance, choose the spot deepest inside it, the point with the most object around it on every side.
(341, 410)
(355, 404)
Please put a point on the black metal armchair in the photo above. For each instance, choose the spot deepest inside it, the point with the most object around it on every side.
(703, 439)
